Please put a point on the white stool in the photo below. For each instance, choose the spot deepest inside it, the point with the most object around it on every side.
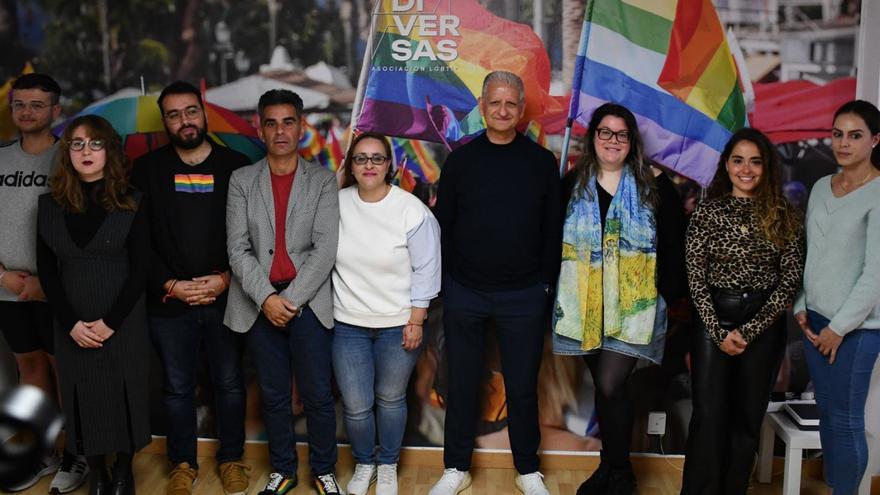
(795, 439)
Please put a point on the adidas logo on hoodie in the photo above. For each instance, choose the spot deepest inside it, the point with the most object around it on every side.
(24, 179)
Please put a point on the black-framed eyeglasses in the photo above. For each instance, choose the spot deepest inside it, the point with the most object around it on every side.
(362, 159)
(605, 134)
(189, 113)
(80, 144)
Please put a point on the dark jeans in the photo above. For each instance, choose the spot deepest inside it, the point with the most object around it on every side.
(841, 393)
(520, 319)
(730, 396)
(301, 350)
(178, 341)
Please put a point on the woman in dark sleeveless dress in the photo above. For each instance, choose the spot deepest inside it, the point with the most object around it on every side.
(93, 257)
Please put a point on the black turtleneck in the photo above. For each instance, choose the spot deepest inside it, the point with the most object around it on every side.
(82, 227)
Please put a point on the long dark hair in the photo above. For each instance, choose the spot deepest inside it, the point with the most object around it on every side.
(871, 115)
(65, 183)
(588, 166)
(778, 220)
(347, 175)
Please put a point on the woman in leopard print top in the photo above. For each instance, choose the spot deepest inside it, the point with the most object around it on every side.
(745, 254)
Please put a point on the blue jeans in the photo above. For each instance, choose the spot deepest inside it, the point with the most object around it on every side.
(372, 368)
(841, 393)
(301, 350)
(178, 340)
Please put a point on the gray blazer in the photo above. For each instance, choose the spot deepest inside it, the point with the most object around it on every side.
(312, 231)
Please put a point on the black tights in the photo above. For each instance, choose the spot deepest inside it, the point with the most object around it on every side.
(98, 464)
(611, 372)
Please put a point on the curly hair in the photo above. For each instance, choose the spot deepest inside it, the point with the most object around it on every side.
(588, 166)
(779, 222)
(65, 182)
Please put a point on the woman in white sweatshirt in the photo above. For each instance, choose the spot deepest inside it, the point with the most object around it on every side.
(387, 271)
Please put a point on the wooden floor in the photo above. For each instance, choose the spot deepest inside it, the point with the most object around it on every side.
(150, 474)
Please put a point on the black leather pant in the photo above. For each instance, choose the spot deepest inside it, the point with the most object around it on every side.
(730, 396)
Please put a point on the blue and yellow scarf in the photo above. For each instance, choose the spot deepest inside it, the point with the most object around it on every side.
(607, 283)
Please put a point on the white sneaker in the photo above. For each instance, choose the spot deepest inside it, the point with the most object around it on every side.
(531, 484)
(72, 473)
(387, 484)
(363, 477)
(46, 467)
(452, 482)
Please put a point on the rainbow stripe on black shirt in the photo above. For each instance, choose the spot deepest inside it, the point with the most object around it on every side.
(194, 183)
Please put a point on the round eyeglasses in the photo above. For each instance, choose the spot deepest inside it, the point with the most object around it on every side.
(188, 113)
(80, 144)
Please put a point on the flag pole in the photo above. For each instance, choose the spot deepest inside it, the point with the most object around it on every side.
(577, 77)
(365, 65)
(566, 140)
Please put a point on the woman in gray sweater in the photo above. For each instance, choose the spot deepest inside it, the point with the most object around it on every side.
(838, 308)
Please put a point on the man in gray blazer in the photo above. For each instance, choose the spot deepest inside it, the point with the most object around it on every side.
(282, 220)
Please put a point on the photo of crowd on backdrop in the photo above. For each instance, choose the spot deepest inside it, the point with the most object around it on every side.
(503, 224)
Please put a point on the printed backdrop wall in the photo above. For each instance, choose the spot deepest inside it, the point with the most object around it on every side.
(101, 50)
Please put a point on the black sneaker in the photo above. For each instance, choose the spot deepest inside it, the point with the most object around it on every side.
(279, 484)
(597, 483)
(326, 484)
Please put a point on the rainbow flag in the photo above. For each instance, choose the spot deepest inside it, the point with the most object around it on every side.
(333, 154)
(311, 143)
(668, 62)
(535, 132)
(428, 63)
(419, 159)
(404, 177)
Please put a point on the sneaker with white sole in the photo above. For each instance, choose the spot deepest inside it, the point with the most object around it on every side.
(279, 484)
(531, 484)
(452, 482)
(364, 476)
(46, 467)
(386, 483)
(326, 484)
(73, 472)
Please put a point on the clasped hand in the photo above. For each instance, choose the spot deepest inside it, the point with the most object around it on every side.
(279, 310)
(91, 334)
(734, 344)
(200, 290)
(24, 285)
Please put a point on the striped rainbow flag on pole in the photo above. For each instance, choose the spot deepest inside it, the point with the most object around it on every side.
(668, 62)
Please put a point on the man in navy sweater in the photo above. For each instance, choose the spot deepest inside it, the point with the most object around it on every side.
(498, 205)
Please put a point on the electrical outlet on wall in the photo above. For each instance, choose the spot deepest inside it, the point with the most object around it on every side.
(656, 423)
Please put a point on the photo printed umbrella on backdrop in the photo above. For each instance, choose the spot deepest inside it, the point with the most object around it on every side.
(138, 120)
